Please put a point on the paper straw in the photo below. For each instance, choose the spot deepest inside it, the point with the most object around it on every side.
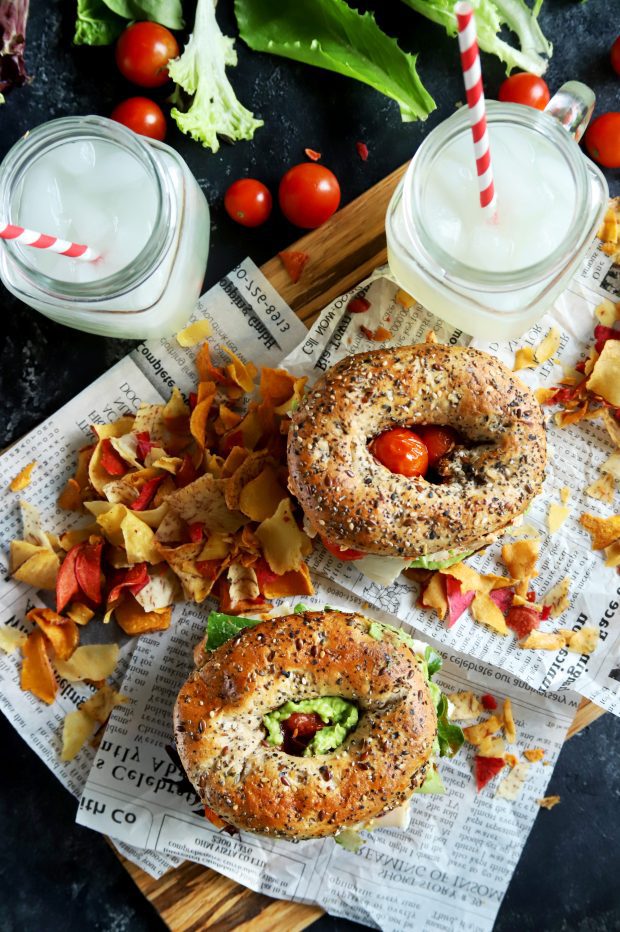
(470, 62)
(42, 241)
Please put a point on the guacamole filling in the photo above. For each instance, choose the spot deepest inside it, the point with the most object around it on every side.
(431, 561)
(311, 726)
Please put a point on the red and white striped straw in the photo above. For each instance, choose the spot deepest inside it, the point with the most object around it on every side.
(42, 241)
(472, 75)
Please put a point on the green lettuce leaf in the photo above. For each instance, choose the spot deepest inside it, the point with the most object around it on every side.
(491, 18)
(221, 627)
(450, 736)
(100, 22)
(331, 35)
(201, 73)
(166, 12)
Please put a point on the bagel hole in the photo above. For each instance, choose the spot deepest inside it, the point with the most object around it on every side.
(294, 726)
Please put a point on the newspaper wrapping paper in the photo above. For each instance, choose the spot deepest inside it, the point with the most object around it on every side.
(448, 871)
(259, 327)
(575, 455)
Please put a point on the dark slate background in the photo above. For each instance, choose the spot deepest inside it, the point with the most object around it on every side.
(56, 875)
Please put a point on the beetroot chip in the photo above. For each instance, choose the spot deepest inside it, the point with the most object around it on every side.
(132, 579)
(486, 768)
(147, 493)
(67, 585)
(523, 620)
(88, 570)
(458, 601)
(502, 598)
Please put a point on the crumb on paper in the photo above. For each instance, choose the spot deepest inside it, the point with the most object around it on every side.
(557, 516)
(509, 723)
(557, 598)
(583, 641)
(23, 478)
(603, 488)
(564, 494)
(466, 706)
(534, 754)
(405, 300)
(548, 802)
(513, 782)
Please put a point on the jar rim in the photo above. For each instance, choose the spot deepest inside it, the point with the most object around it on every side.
(84, 128)
(460, 273)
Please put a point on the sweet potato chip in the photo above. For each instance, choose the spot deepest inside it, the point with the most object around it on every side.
(76, 730)
(434, 595)
(513, 782)
(260, 497)
(557, 598)
(90, 662)
(242, 583)
(534, 754)
(276, 385)
(23, 478)
(605, 377)
(194, 333)
(486, 612)
(509, 723)
(525, 358)
(34, 565)
(204, 501)
(466, 706)
(557, 516)
(583, 641)
(548, 346)
(11, 639)
(603, 531)
(544, 395)
(543, 640)
(79, 613)
(295, 582)
(491, 747)
(548, 802)
(603, 489)
(284, 545)
(63, 637)
(71, 496)
(520, 559)
(198, 420)
(227, 419)
(475, 734)
(249, 469)
(612, 554)
(239, 372)
(133, 619)
(37, 674)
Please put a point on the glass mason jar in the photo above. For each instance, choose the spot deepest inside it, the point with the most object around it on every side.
(490, 302)
(154, 293)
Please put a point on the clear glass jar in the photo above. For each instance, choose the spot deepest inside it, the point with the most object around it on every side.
(491, 302)
(156, 292)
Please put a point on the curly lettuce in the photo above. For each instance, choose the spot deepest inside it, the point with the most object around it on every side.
(201, 73)
(100, 22)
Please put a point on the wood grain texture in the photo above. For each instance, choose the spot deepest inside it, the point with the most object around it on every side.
(342, 253)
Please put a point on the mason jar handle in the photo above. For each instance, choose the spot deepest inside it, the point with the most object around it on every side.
(572, 106)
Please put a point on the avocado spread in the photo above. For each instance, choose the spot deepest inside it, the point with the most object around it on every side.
(339, 715)
(428, 563)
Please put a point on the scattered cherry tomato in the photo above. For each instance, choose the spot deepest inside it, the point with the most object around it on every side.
(143, 52)
(309, 194)
(346, 555)
(526, 89)
(248, 202)
(603, 140)
(402, 451)
(438, 441)
(143, 116)
(615, 56)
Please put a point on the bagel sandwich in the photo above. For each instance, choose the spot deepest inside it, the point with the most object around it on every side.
(313, 724)
(415, 456)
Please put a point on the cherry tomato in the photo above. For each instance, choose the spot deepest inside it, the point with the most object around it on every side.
(143, 52)
(527, 89)
(438, 441)
(309, 194)
(603, 140)
(143, 116)
(303, 724)
(615, 56)
(248, 202)
(346, 555)
(402, 451)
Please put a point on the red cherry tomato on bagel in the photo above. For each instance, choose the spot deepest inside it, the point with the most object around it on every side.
(526, 89)
(615, 56)
(248, 202)
(401, 451)
(143, 116)
(309, 194)
(346, 555)
(438, 441)
(143, 52)
(603, 140)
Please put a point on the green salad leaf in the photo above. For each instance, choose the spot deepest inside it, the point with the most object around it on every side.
(221, 627)
(450, 736)
(166, 12)
(332, 35)
(212, 108)
(492, 16)
(100, 22)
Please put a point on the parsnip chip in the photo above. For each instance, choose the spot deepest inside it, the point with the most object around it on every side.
(99, 706)
(603, 531)
(133, 619)
(542, 640)
(114, 515)
(284, 545)
(39, 570)
(548, 346)
(21, 551)
(491, 747)
(139, 540)
(276, 385)
(484, 610)
(127, 447)
(612, 554)
(11, 639)
(62, 633)
(466, 706)
(160, 592)
(513, 782)
(204, 501)
(583, 641)
(605, 377)
(557, 516)
(534, 754)
(548, 802)
(509, 723)
(262, 495)
(524, 530)
(242, 583)
(612, 425)
(476, 734)
(23, 478)
(564, 494)
(250, 468)
(557, 598)
(194, 333)
(76, 730)
(79, 613)
(37, 674)
(97, 475)
(603, 489)
(607, 312)
(470, 580)
(90, 662)
(123, 425)
(217, 546)
(611, 466)
(76, 536)
(32, 531)
(434, 595)
(525, 358)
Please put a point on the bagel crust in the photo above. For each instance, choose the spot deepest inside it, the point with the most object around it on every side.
(354, 501)
(259, 788)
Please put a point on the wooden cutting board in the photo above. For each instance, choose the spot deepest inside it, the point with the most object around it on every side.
(342, 252)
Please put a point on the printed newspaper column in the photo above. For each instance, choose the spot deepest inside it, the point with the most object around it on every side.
(456, 858)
